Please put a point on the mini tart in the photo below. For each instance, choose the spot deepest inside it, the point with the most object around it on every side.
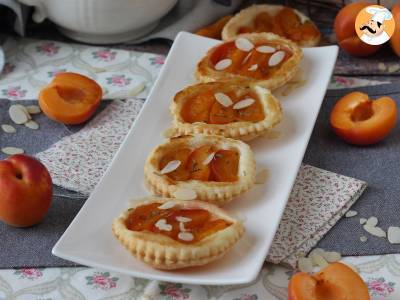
(270, 68)
(258, 118)
(158, 245)
(211, 190)
(282, 20)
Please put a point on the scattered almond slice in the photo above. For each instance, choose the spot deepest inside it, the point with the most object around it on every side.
(163, 225)
(33, 109)
(167, 205)
(363, 238)
(182, 227)
(170, 167)
(8, 128)
(265, 49)
(276, 58)
(372, 221)
(253, 67)
(332, 256)
(244, 103)
(12, 150)
(223, 64)
(185, 194)
(208, 159)
(183, 219)
(17, 114)
(305, 264)
(185, 236)
(373, 230)
(243, 44)
(223, 99)
(351, 213)
(393, 235)
(319, 260)
(32, 125)
(363, 221)
(261, 177)
(246, 58)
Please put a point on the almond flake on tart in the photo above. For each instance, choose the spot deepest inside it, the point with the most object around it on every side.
(173, 234)
(281, 20)
(240, 111)
(212, 168)
(270, 63)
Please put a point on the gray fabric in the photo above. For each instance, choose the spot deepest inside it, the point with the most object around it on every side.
(378, 165)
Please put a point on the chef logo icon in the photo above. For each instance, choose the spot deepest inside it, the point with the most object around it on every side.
(375, 25)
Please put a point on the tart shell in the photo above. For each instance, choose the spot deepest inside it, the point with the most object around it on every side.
(205, 71)
(242, 130)
(246, 16)
(162, 252)
(217, 193)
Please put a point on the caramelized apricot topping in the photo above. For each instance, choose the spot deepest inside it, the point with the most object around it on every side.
(181, 224)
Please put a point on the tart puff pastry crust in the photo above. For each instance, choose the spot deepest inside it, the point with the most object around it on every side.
(163, 252)
(246, 17)
(214, 192)
(206, 72)
(242, 130)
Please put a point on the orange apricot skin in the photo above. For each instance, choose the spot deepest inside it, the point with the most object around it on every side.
(395, 39)
(346, 32)
(55, 108)
(336, 281)
(367, 132)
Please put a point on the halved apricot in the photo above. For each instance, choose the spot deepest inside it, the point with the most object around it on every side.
(197, 168)
(336, 281)
(214, 30)
(361, 121)
(252, 113)
(225, 166)
(197, 109)
(395, 39)
(70, 98)
(181, 173)
(221, 114)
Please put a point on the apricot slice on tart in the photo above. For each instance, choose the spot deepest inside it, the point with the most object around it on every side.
(241, 111)
(336, 281)
(172, 234)
(361, 121)
(264, 58)
(217, 168)
(281, 20)
(70, 98)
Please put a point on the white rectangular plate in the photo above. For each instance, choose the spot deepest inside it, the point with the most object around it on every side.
(89, 240)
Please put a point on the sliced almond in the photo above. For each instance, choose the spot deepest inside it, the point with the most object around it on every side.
(265, 49)
(305, 264)
(170, 166)
(243, 44)
(253, 67)
(372, 221)
(223, 99)
(332, 256)
(208, 159)
(363, 238)
(163, 225)
(183, 219)
(261, 177)
(32, 125)
(182, 227)
(351, 213)
(363, 221)
(8, 128)
(376, 231)
(393, 235)
(167, 205)
(17, 114)
(244, 103)
(12, 150)
(276, 58)
(185, 236)
(185, 194)
(223, 64)
(319, 260)
(33, 109)
(246, 58)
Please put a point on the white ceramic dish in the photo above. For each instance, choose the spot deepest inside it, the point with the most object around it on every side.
(89, 240)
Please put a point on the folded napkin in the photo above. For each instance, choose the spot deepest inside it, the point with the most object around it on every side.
(318, 200)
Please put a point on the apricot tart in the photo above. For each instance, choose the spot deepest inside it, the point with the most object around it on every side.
(282, 20)
(263, 58)
(237, 111)
(204, 167)
(172, 234)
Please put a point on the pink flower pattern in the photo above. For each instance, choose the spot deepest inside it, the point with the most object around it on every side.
(102, 280)
(174, 291)
(29, 273)
(14, 92)
(158, 60)
(48, 49)
(105, 55)
(119, 80)
(378, 287)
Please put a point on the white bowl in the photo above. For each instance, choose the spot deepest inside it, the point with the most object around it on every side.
(102, 21)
